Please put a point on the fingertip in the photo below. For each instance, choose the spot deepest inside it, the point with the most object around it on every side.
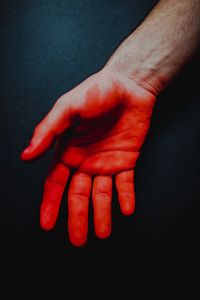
(47, 222)
(78, 230)
(128, 209)
(103, 232)
(47, 226)
(77, 239)
(48, 217)
(26, 153)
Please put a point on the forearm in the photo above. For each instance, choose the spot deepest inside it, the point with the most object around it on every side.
(159, 47)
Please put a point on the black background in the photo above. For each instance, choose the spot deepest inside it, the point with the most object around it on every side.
(48, 47)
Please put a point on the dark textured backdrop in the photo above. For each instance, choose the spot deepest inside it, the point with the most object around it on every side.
(48, 47)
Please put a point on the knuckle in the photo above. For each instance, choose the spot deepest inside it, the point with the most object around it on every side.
(103, 196)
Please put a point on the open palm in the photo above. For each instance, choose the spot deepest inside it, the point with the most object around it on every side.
(100, 127)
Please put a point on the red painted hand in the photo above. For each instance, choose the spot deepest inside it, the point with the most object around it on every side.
(100, 125)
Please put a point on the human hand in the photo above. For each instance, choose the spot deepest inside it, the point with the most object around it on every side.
(99, 128)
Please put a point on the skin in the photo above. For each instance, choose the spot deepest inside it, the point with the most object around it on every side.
(99, 126)
(110, 118)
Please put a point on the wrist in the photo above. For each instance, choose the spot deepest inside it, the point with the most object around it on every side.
(145, 66)
(146, 77)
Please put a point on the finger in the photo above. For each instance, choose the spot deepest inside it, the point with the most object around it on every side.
(53, 190)
(77, 102)
(56, 121)
(125, 189)
(102, 195)
(78, 200)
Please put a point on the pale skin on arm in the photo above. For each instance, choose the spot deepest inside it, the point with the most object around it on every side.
(108, 116)
(155, 52)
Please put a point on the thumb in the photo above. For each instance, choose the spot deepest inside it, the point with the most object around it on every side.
(55, 122)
